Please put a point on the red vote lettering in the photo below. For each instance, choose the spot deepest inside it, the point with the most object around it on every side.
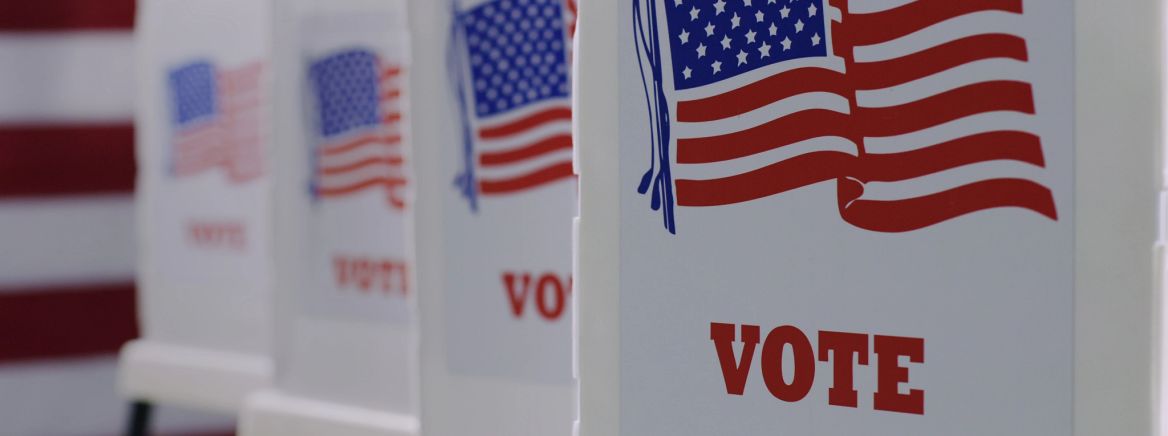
(516, 301)
(550, 307)
(545, 282)
(838, 347)
(217, 235)
(365, 274)
(889, 374)
(772, 364)
(387, 269)
(733, 372)
(842, 346)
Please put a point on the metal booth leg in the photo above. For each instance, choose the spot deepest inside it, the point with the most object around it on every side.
(139, 422)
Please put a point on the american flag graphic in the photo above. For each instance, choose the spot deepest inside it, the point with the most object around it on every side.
(358, 102)
(517, 109)
(916, 109)
(216, 119)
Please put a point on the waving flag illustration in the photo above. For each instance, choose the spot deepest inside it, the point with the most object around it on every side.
(216, 120)
(511, 75)
(359, 120)
(922, 111)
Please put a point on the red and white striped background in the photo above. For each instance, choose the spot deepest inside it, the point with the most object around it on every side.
(67, 249)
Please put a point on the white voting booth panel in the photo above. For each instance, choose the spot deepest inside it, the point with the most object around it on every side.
(496, 196)
(868, 217)
(346, 341)
(204, 197)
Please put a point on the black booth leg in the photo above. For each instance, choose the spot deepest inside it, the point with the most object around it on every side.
(139, 423)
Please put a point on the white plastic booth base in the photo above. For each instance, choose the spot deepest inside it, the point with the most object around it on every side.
(195, 377)
(272, 412)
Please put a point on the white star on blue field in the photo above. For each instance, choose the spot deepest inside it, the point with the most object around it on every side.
(346, 90)
(712, 40)
(194, 93)
(517, 54)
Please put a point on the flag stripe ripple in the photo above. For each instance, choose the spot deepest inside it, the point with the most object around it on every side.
(548, 174)
(978, 98)
(761, 93)
(915, 213)
(982, 147)
(390, 182)
(937, 111)
(365, 140)
(526, 123)
(392, 161)
(878, 75)
(776, 178)
(787, 130)
(877, 27)
(539, 148)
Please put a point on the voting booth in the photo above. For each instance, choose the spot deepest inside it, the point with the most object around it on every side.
(204, 198)
(346, 336)
(495, 203)
(868, 217)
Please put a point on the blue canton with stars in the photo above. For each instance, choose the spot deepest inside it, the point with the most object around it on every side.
(517, 54)
(712, 40)
(192, 88)
(346, 87)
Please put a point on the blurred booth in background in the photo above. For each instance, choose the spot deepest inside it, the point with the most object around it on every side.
(204, 200)
(493, 128)
(346, 335)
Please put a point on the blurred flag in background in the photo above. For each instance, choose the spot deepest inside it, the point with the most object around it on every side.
(67, 249)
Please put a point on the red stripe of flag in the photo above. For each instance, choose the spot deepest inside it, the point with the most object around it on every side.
(776, 178)
(364, 140)
(982, 147)
(388, 182)
(1002, 95)
(390, 95)
(779, 132)
(527, 123)
(549, 174)
(920, 212)
(539, 148)
(390, 73)
(66, 160)
(885, 74)
(66, 322)
(762, 93)
(391, 161)
(396, 196)
(572, 23)
(56, 15)
(884, 26)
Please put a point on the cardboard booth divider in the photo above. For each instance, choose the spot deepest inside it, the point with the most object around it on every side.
(346, 324)
(876, 217)
(204, 196)
(496, 196)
